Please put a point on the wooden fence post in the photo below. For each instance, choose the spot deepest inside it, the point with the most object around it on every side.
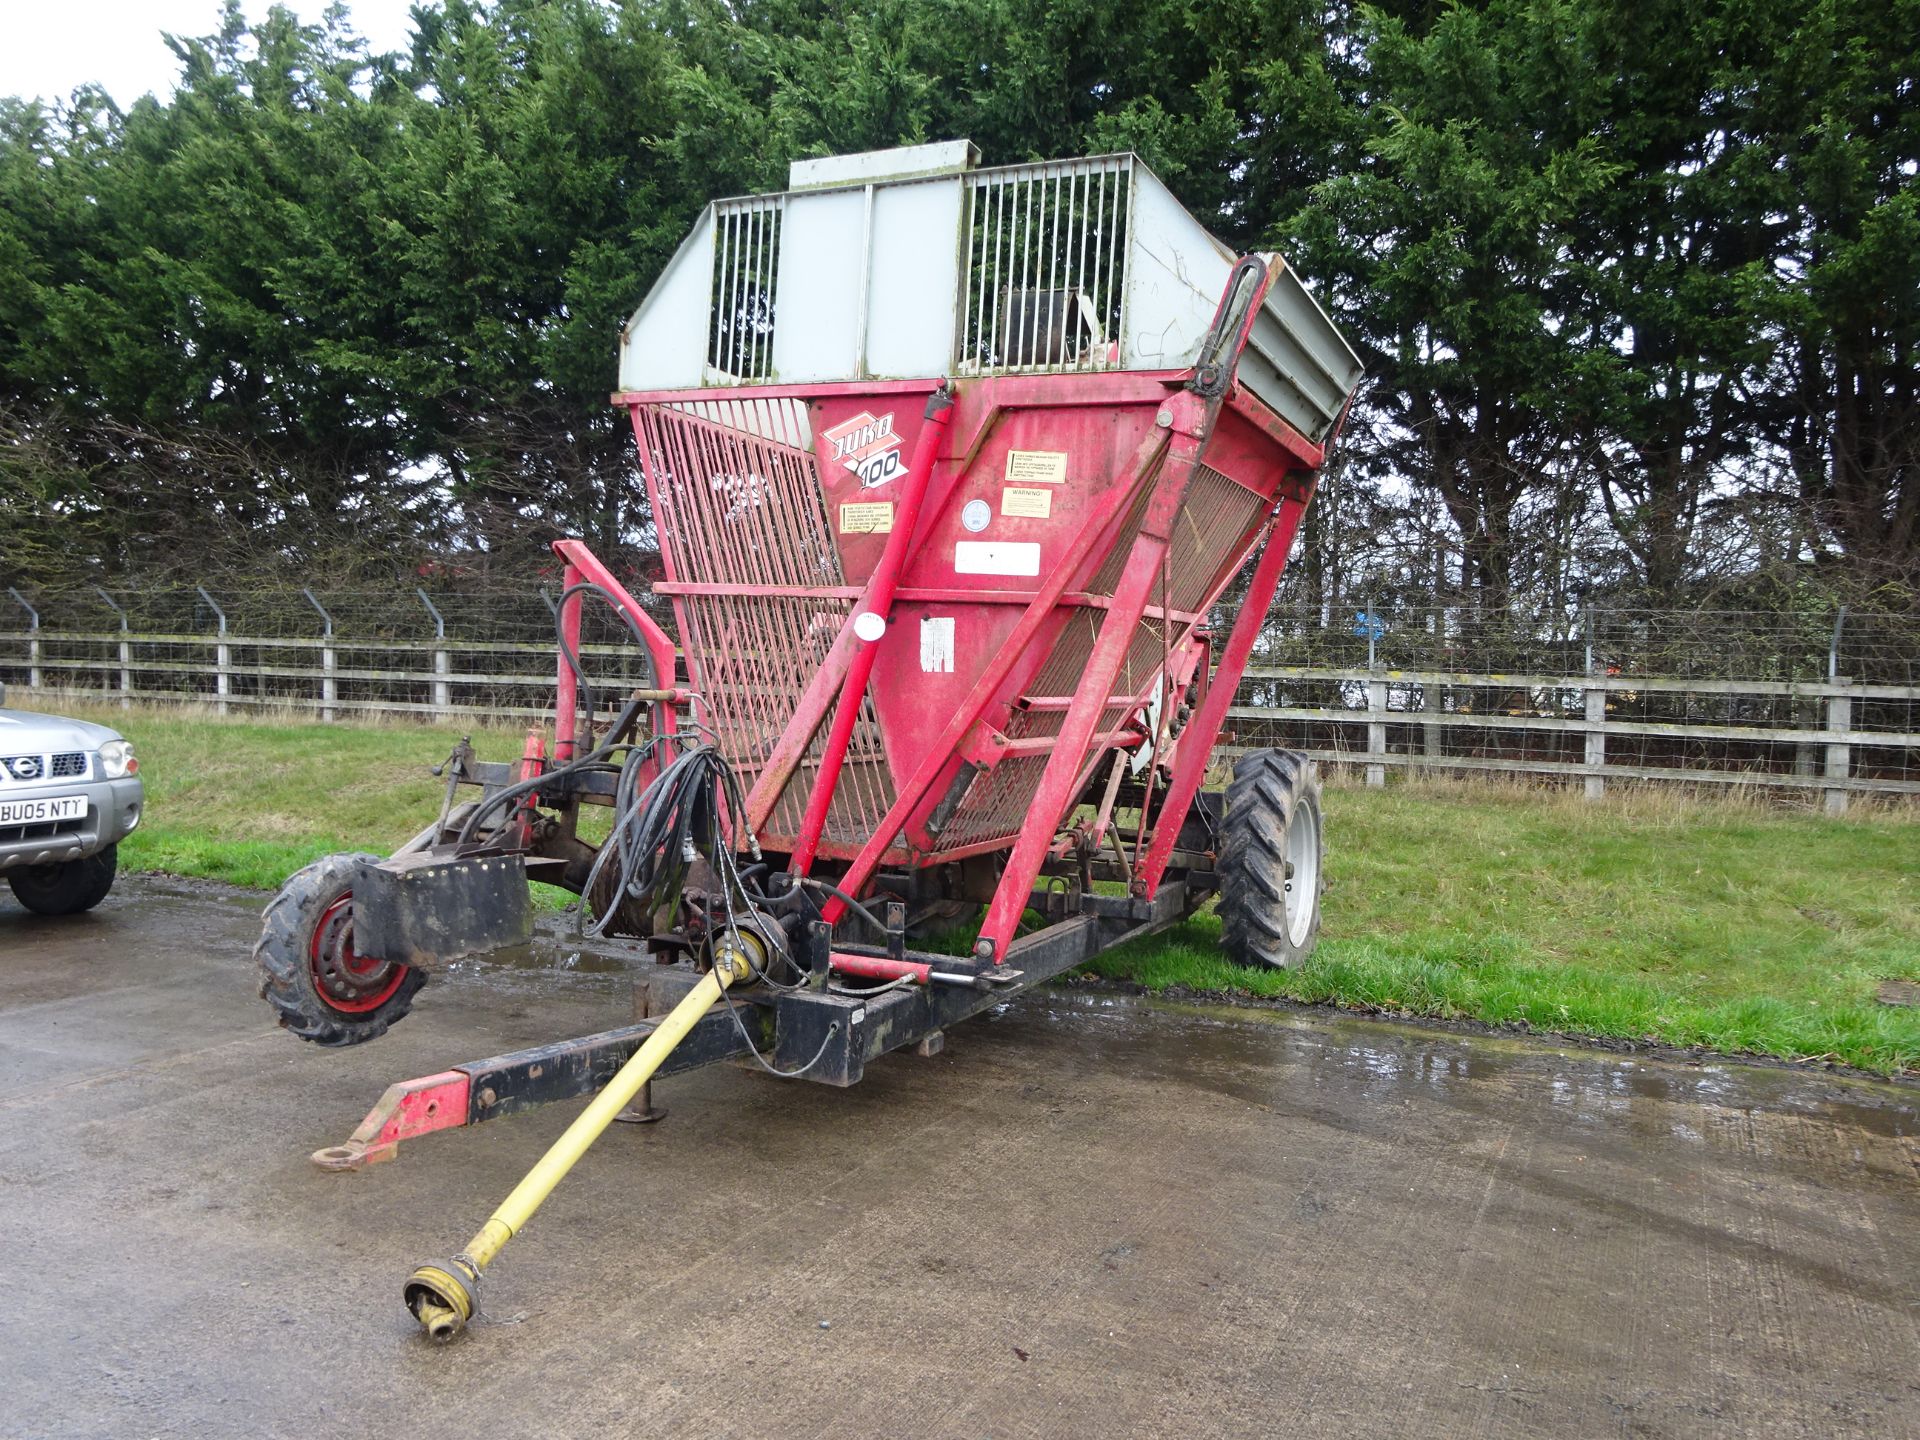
(222, 656)
(1376, 700)
(1596, 739)
(442, 689)
(1805, 715)
(1376, 731)
(1433, 743)
(1839, 753)
(1595, 713)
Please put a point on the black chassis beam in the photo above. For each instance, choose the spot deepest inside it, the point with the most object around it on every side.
(821, 1035)
(526, 1079)
(828, 1036)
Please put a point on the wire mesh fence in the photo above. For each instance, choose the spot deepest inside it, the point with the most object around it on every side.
(330, 651)
(1822, 703)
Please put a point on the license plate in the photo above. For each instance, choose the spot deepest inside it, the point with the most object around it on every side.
(50, 811)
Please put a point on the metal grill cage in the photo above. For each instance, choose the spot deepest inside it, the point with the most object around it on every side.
(740, 515)
(913, 264)
(1045, 283)
(746, 263)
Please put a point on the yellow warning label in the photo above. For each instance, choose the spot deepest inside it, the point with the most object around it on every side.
(1036, 467)
(867, 517)
(1020, 500)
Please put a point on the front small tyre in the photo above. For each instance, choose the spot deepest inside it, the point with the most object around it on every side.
(1272, 843)
(321, 987)
(67, 887)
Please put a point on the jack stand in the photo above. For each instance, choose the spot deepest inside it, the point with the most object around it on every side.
(642, 1111)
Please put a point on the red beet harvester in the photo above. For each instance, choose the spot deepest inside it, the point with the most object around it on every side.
(947, 466)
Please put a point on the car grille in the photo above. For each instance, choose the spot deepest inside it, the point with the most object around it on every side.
(12, 834)
(68, 765)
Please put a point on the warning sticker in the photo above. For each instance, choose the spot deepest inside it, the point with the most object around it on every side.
(936, 645)
(1021, 500)
(867, 517)
(1036, 467)
(868, 446)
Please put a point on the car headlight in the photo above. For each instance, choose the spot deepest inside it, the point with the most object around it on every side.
(117, 759)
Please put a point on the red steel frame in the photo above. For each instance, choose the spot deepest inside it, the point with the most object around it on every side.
(1139, 507)
(584, 565)
(878, 602)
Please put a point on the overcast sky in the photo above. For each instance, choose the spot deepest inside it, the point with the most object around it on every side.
(47, 47)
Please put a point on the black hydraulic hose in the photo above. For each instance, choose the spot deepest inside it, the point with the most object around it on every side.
(843, 897)
(660, 831)
(588, 587)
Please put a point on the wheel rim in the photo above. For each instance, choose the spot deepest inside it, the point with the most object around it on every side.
(348, 981)
(1303, 870)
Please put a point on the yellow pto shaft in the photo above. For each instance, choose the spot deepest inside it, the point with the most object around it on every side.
(441, 1294)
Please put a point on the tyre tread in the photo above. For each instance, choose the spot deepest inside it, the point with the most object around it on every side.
(80, 884)
(1266, 787)
(286, 982)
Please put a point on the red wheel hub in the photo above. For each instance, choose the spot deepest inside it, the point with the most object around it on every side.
(350, 982)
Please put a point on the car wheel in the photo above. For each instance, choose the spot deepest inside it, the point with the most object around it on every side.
(68, 887)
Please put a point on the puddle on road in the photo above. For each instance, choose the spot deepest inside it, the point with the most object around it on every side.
(1261, 1056)
(556, 961)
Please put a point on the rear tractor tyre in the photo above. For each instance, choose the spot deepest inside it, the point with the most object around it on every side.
(66, 887)
(1271, 846)
(310, 973)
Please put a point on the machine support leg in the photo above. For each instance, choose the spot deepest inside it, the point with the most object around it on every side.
(1197, 740)
(442, 1294)
(642, 1111)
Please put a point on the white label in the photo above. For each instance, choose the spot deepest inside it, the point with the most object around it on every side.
(866, 517)
(936, 645)
(1034, 503)
(1025, 467)
(879, 469)
(976, 515)
(996, 557)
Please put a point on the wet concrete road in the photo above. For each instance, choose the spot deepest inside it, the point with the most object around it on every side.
(1086, 1217)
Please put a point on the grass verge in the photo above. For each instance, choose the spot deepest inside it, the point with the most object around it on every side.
(1648, 916)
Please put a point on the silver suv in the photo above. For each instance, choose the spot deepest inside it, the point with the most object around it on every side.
(69, 794)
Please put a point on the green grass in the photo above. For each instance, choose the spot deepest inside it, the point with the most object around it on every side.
(251, 802)
(1647, 916)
